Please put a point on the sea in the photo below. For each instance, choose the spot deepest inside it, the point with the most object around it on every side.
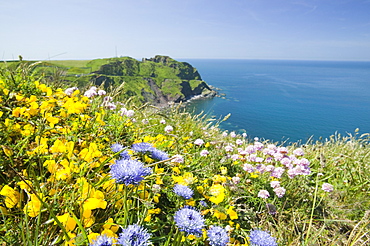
(287, 101)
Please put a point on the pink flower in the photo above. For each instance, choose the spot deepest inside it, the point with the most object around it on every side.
(130, 113)
(278, 172)
(263, 194)
(248, 168)
(298, 152)
(177, 159)
(327, 187)
(239, 142)
(90, 93)
(275, 184)
(168, 129)
(235, 180)
(199, 142)
(279, 191)
(232, 134)
(250, 149)
(204, 152)
(162, 121)
(228, 148)
(101, 92)
(70, 91)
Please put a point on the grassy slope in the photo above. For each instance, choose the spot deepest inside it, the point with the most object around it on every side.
(306, 215)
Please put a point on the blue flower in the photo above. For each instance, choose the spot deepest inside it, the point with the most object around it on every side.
(158, 154)
(203, 203)
(116, 147)
(189, 220)
(261, 238)
(129, 171)
(134, 235)
(183, 190)
(102, 241)
(217, 236)
(125, 155)
(142, 147)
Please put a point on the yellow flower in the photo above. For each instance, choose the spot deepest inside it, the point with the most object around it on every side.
(219, 179)
(176, 170)
(93, 203)
(158, 180)
(223, 170)
(190, 203)
(88, 221)
(51, 166)
(92, 236)
(11, 196)
(8, 151)
(25, 185)
(52, 120)
(219, 215)
(156, 198)
(6, 91)
(68, 221)
(218, 193)
(110, 225)
(58, 147)
(33, 207)
(232, 214)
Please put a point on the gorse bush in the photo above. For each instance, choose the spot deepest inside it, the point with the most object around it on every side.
(80, 168)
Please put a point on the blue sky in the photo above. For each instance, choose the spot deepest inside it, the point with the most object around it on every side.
(241, 29)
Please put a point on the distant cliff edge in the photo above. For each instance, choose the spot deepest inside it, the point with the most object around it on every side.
(158, 80)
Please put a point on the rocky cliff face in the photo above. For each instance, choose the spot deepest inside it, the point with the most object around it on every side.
(157, 80)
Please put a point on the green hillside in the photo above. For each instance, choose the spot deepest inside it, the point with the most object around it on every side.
(158, 80)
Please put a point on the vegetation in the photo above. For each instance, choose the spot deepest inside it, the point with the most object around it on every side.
(158, 80)
(83, 167)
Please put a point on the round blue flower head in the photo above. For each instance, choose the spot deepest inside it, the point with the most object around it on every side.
(217, 236)
(203, 203)
(116, 147)
(261, 238)
(158, 154)
(142, 147)
(189, 220)
(125, 155)
(183, 190)
(103, 240)
(129, 172)
(134, 235)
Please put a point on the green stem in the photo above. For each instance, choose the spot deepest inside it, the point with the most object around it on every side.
(125, 207)
(312, 210)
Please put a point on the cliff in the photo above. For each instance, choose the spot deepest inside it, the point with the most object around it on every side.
(157, 80)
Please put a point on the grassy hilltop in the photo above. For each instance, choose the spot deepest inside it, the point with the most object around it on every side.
(86, 167)
(157, 80)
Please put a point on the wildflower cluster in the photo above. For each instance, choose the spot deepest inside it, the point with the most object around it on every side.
(95, 171)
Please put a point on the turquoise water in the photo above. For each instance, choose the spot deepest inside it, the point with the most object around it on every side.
(288, 100)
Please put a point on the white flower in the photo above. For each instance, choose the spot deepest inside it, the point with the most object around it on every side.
(168, 129)
(101, 92)
(70, 91)
(90, 93)
(280, 191)
(327, 187)
(204, 152)
(263, 194)
(130, 113)
(199, 142)
(177, 159)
